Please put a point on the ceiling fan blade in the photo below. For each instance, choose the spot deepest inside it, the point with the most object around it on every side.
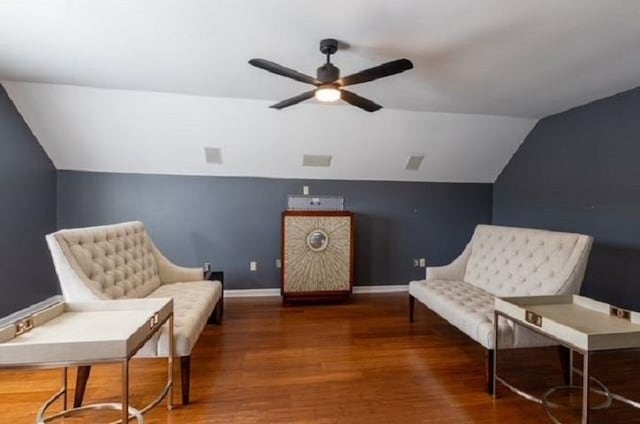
(294, 100)
(358, 101)
(273, 67)
(380, 71)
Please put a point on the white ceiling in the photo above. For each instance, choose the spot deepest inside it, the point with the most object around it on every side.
(490, 57)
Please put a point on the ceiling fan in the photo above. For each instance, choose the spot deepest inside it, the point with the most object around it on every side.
(329, 85)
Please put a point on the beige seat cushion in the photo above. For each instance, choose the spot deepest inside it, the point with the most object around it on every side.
(470, 309)
(193, 302)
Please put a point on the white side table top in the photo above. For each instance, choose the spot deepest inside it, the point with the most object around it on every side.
(88, 332)
(584, 323)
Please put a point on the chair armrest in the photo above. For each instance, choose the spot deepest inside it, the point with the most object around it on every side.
(454, 271)
(445, 272)
(575, 276)
(172, 273)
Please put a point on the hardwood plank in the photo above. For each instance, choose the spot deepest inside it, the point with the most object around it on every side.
(358, 362)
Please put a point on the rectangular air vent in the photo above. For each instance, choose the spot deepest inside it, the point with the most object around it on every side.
(414, 162)
(316, 160)
(213, 155)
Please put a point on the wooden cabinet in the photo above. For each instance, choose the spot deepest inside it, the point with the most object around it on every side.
(317, 255)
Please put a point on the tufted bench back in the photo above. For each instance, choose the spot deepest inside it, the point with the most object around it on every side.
(509, 261)
(113, 261)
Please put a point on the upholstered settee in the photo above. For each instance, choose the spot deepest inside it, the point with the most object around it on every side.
(121, 261)
(502, 261)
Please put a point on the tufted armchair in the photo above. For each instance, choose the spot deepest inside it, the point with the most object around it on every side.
(120, 261)
(502, 261)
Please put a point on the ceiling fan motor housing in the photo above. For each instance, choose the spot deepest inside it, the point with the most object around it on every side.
(328, 73)
(329, 46)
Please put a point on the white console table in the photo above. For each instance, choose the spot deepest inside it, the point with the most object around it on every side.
(581, 324)
(71, 334)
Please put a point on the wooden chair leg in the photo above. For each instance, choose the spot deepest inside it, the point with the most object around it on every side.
(412, 307)
(221, 306)
(564, 354)
(488, 371)
(217, 314)
(81, 384)
(185, 377)
(219, 311)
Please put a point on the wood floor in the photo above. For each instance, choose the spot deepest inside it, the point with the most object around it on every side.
(360, 362)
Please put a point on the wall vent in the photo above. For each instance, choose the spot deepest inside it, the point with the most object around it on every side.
(414, 162)
(316, 160)
(213, 155)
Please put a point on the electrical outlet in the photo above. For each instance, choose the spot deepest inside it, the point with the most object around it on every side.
(416, 263)
(423, 262)
(278, 263)
(305, 190)
(253, 266)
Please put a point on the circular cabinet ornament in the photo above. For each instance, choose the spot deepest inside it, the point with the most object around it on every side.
(317, 240)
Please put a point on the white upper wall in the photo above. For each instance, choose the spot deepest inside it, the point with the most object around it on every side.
(473, 59)
(130, 131)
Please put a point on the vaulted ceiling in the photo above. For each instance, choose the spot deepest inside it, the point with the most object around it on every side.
(144, 86)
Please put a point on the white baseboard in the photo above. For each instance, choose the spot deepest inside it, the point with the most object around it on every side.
(276, 292)
(381, 289)
(251, 292)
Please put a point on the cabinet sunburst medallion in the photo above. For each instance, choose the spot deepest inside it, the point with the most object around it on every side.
(318, 255)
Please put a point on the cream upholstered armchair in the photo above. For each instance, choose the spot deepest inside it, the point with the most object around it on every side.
(502, 261)
(121, 261)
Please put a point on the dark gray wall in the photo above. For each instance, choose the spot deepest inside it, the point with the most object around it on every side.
(27, 213)
(580, 171)
(230, 221)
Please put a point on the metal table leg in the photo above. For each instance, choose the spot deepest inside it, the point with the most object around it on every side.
(570, 367)
(125, 391)
(495, 354)
(585, 388)
(170, 364)
(64, 388)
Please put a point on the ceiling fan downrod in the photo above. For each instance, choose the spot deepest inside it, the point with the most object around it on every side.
(328, 72)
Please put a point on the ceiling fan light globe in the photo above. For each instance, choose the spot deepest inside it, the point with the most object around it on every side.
(327, 94)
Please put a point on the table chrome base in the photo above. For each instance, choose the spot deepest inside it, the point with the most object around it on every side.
(603, 390)
(133, 412)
